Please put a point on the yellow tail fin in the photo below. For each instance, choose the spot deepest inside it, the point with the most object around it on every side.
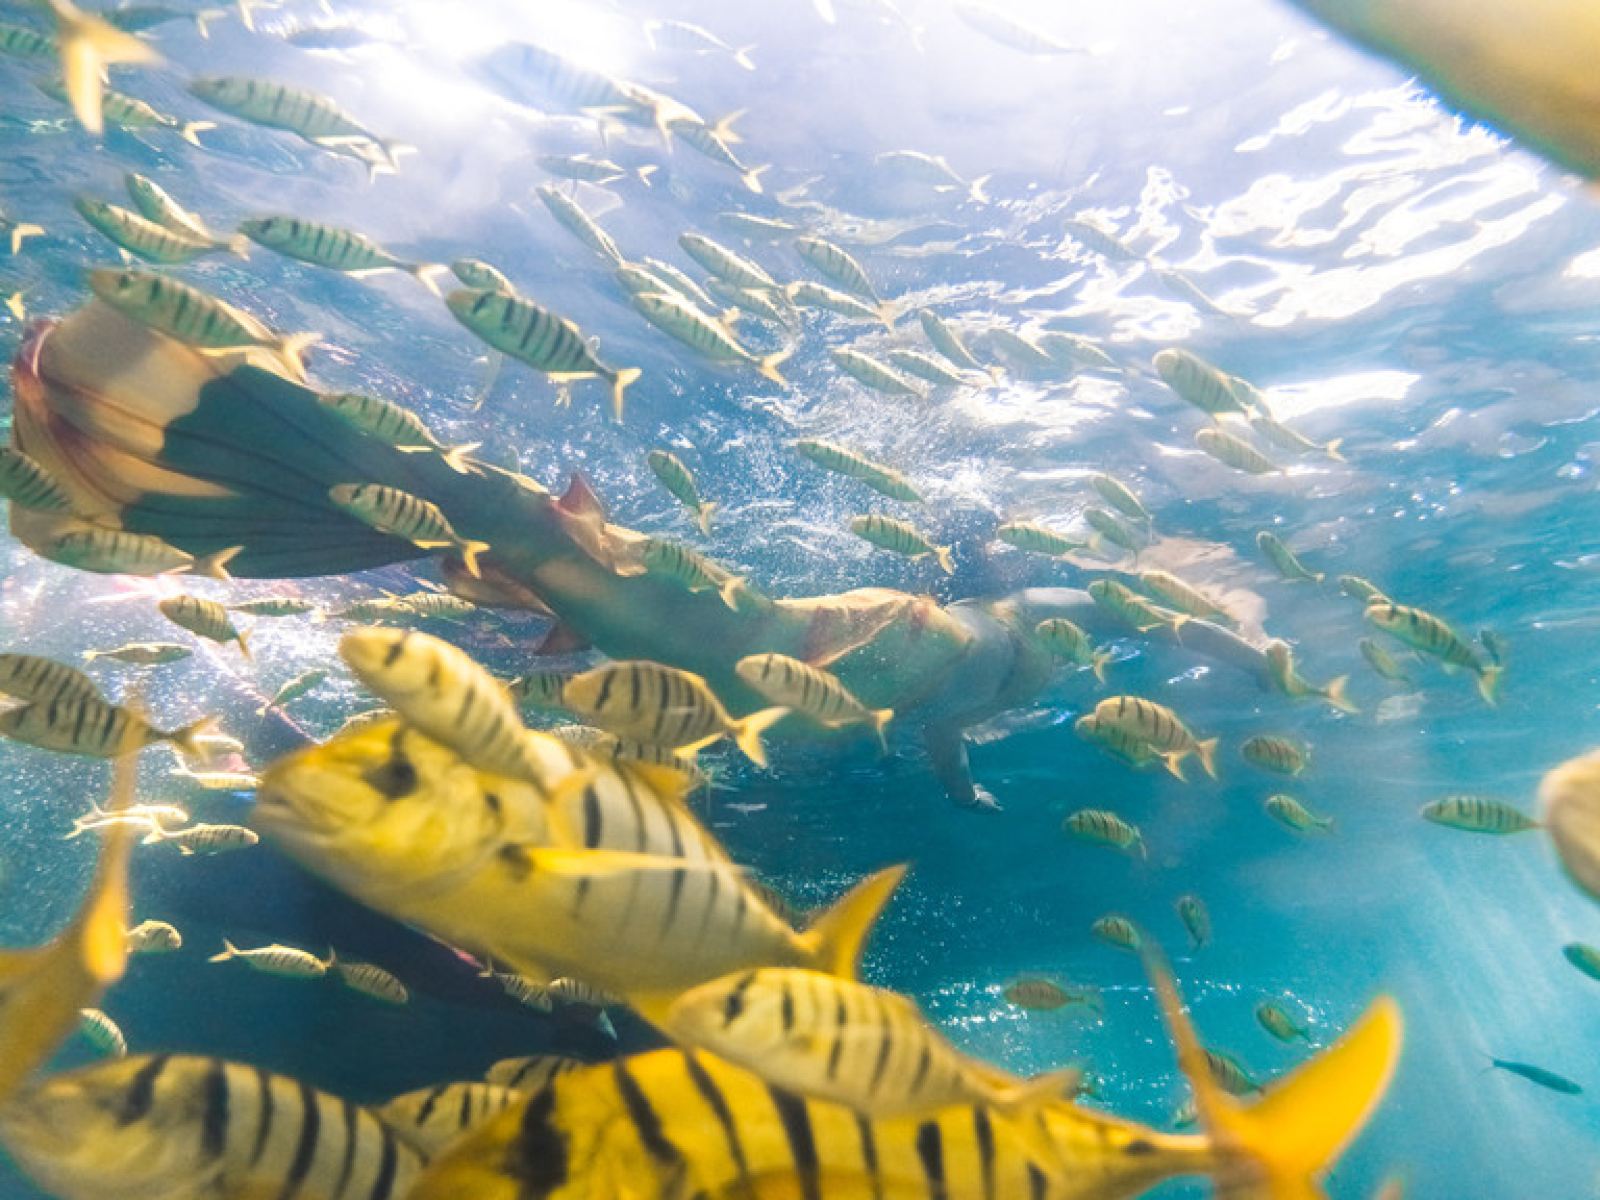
(1334, 695)
(1206, 751)
(469, 551)
(747, 732)
(942, 553)
(1332, 450)
(455, 457)
(1174, 763)
(1276, 1148)
(292, 346)
(769, 365)
(880, 722)
(190, 133)
(836, 938)
(23, 230)
(215, 566)
(619, 385)
(88, 45)
(730, 592)
(15, 306)
(243, 638)
(1489, 684)
(184, 738)
(1098, 664)
(752, 178)
(703, 517)
(229, 950)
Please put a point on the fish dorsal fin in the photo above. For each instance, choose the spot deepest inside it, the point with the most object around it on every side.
(836, 939)
(580, 500)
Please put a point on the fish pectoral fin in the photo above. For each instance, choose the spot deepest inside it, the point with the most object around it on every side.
(835, 940)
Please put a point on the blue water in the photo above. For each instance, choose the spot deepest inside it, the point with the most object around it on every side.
(1388, 274)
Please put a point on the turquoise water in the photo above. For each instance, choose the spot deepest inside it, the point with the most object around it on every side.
(1385, 273)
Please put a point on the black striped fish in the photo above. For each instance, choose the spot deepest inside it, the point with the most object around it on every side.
(925, 366)
(1105, 829)
(337, 249)
(88, 725)
(1478, 814)
(1161, 727)
(395, 426)
(475, 273)
(811, 692)
(156, 204)
(1067, 640)
(841, 460)
(33, 677)
(1197, 381)
(1289, 681)
(1183, 596)
(1034, 538)
(144, 238)
(118, 552)
(838, 265)
(679, 480)
(580, 224)
(1434, 636)
(887, 533)
(129, 112)
(538, 337)
(1289, 812)
(1234, 452)
(206, 618)
(400, 514)
(171, 1126)
(674, 315)
(311, 116)
(725, 264)
(530, 1073)
(692, 569)
(716, 143)
(432, 1119)
(1275, 753)
(878, 376)
(946, 340)
(1128, 606)
(1287, 562)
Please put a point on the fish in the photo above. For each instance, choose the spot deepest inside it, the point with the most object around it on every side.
(1133, 609)
(1584, 957)
(1281, 670)
(693, 570)
(887, 533)
(1196, 920)
(803, 293)
(101, 1032)
(1290, 812)
(117, 552)
(274, 606)
(144, 238)
(1069, 350)
(753, 225)
(1434, 636)
(86, 45)
(1045, 995)
(376, 608)
(536, 336)
(1107, 528)
(1477, 814)
(662, 705)
(1199, 382)
(1229, 1073)
(149, 1124)
(438, 605)
(369, 980)
(189, 315)
(866, 1048)
(1001, 27)
(434, 1118)
(680, 482)
(33, 677)
(925, 366)
(337, 249)
(1105, 829)
(1285, 560)
(288, 962)
(841, 460)
(725, 264)
(1539, 1075)
(540, 689)
(142, 654)
(206, 618)
(1021, 352)
(586, 168)
(531, 1073)
(768, 306)
(1067, 640)
(1162, 728)
(1034, 538)
(1275, 754)
(646, 904)
(446, 695)
(205, 840)
(934, 170)
(1382, 661)
(17, 232)
(677, 280)
(1117, 741)
(811, 692)
(302, 684)
(1284, 438)
(400, 514)
(681, 35)
(837, 265)
(1276, 1020)
(309, 115)
(395, 426)
(1121, 497)
(475, 273)
(539, 78)
(90, 726)
(1117, 931)
(218, 781)
(580, 224)
(1234, 452)
(716, 143)
(147, 816)
(1361, 589)
(1184, 597)
(947, 341)
(153, 937)
(20, 41)
(678, 317)
(131, 113)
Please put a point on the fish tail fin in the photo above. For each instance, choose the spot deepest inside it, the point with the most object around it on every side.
(769, 365)
(946, 563)
(202, 23)
(1334, 693)
(752, 178)
(1332, 450)
(190, 132)
(1276, 1148)
(619, 385)
(1144, 851)
(243, 638)
(645, 172)
(423, 273)
(1174, 764)
(702, 516)
(1489, 684)
(238, 245)
(730, 592)
(836, 938)
(292, 347)
(184, 736)
(880, 722)
(976, 192)
(215, 565)
(888, 310)
(742, 57)
(15, 307)
(1207, 752)
(392, 150)
(469, 551)
(22, 230)
(1098, 664)
(747, 732)
(455, 457)
(722, 130)
(1318, 576)
(88, 45)
(246, 15)
(229, 950)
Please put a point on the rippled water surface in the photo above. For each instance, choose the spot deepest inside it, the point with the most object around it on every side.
(1299, 214)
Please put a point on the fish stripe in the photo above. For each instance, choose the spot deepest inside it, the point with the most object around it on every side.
(796, 1121)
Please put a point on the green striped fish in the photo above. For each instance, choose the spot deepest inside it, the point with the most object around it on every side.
(475, 273)
(536, 336)
(1175, 593)
(693, 570)
(88, 725)
(1234, 452)
(1285, 559)
(154, 1124)
(144, 238)
(155, 204)
(1116, 930)
(1281, 670)
(24, 482)
(19, 41)
(337, 249)
(1290, 812)
(395, 426)
(274, 606)
(1162, 728)
(1034, 538)
(437, 604)
(431, 1119)
(530, 1073)
(129, 112)
(1133, 609)
(1197, 381)
(1117, 741)
(878, 376)
(946, 340)
(811, 692)
(725, 264)
(300, 111)
(1382, 661)
(1478, 814)
(806, 294)
(302, 684)
(580, 224)
(677, 280)
(1121, 497)
(400, 514)
(540, 689)
(679, 480)
(837, 264)
(1273, 753)
(925, 366)
(142, 654)
(370, 980)
(203, 617)
(118, 552)
(1196, 920)
(1432, 635)
(902, 538)
(841, 460)
(676, 316)
(1105, 829)
(1067, 640)
(186, 313)
(1109, 528)
(769, 306)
